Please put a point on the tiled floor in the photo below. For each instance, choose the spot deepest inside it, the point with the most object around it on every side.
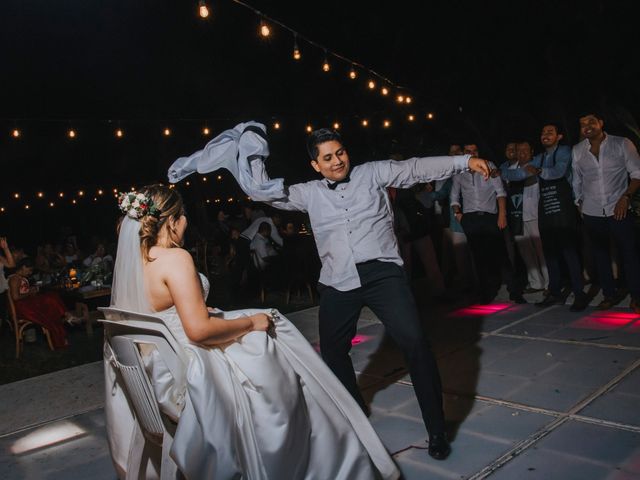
(529, 393)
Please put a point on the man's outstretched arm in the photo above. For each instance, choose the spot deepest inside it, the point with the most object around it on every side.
(296, 195)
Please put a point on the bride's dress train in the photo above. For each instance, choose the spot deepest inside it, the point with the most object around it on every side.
(260, 408)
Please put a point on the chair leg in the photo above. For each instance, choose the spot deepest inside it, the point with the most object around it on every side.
(287, 295)
(18, 344)
(48, 335)
(310, 290)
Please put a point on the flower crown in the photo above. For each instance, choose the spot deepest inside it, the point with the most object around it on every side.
(137, 205)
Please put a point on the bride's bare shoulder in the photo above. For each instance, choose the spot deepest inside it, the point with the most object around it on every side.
(171, 256)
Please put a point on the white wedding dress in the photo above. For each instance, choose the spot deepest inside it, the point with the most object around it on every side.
(260, 408)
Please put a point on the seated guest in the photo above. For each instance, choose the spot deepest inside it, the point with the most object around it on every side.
(289, 230)
(70, 253)
(6, 260)
(48, 260)
(45, 309)
(602, 167)
(263, 247)
(99, 257)
(252, 229)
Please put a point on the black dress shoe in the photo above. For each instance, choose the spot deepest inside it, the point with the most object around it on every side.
(550, 300)
(517, 298)
(580, 303)
(439, 447)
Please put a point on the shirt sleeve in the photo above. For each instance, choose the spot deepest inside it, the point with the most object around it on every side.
(631, 159)
(297, 195)
(406, 173)
(559, 170)
(498, 186)
(454, 197)
(576, 182)
(514, 174)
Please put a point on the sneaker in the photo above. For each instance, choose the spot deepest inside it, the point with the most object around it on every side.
(439, 447)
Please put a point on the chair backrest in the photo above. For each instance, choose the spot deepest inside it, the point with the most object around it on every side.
(124, 332)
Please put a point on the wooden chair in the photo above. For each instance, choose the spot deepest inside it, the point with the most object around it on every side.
(259, 274)
(18, 325)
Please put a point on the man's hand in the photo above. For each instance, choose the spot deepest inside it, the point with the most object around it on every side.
(502, 221)
(479, 165)
(458, 216)
(622, 206)
(531, 170)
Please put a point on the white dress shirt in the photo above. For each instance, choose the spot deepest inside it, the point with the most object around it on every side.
(354, 222)
(598, 183)
(478, 194)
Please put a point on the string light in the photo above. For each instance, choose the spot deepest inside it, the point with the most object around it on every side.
(365, 123)
(411, 118)
(296, 51)
(119, 133)
(51, 204)
(16, 195)
(208, 201)
(408, 100)
(95, 199)
(325, 66)
(166, 132)
(265, 31)
(371, 84)
(309, 129)
(386, 124)
(71, 133)
(15, 133)
(2, 209)
(61, 194)
(430, 116)
(352, 73)
(40, 194)
(219, 177)
(74, 201)
(204, 179)
(100, 192)
(203, 10)
(336, 126)
(400, 98)
(27, 207)
(188, 183)
(276, 126)
(81, 193)
(385, 91)
(115, 190)
(205, 131)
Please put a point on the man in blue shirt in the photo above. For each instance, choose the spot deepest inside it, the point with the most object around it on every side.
(352, 221)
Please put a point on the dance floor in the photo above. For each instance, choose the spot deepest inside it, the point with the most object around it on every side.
(530, 394)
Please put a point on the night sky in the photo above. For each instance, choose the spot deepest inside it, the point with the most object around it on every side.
(490, 71)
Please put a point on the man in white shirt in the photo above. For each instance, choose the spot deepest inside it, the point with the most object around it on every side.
(602, 166)
(261, 246)
(352, 221)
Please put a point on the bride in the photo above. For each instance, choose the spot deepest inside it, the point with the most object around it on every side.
(259, 401)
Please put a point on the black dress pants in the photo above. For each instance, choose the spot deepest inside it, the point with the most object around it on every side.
(386, 292)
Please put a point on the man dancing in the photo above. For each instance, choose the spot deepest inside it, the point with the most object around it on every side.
(352, 221)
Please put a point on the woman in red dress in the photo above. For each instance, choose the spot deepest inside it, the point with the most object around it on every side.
(45, 309)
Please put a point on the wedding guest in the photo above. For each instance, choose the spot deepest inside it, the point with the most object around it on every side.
(6, 261)
(263, 248)
(99, 257)
(45, 309)
(602, 167)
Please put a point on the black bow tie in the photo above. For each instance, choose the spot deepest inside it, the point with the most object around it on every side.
(332, 186)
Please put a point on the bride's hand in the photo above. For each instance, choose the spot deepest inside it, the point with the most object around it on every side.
(262, 323)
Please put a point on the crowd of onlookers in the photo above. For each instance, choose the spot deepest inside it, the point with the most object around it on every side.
(556, 221)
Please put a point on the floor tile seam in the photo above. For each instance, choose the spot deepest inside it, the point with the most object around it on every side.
(57, 372)
(523, 319)
(564, 341)
(605, 423)
(49, 421)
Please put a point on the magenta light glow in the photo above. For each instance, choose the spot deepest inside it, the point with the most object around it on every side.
(606, 320)
(480, 310)
(360, 339)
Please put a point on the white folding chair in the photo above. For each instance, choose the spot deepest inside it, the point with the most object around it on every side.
(124, 333)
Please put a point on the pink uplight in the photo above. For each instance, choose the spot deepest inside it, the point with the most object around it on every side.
(360, 339)
(605, 320)
(480, 310)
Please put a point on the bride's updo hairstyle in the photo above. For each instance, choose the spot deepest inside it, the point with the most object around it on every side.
(168, 204)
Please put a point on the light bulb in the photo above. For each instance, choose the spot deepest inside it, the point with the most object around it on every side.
(411, 118)
(385, 91)
(336, 126)
(309, 128)
(204, 179)
(265, 31)
(386, 124)
(16, 195)
(72, 133)
(429, 116)
(51, 204)
(296, 54)
(205, 131)
(74, 201)
(365, 123)
(325, 66)
(400, 99)
(166, 132)
(15, 133)
(100, 192)
(276, 126)
(408, 100)
(119, 133)
(27, 207)
(203, 10)
(352, 74)
(219, 177)
(40, 194)
(61, 194)
(372, 84)
(81, 193)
